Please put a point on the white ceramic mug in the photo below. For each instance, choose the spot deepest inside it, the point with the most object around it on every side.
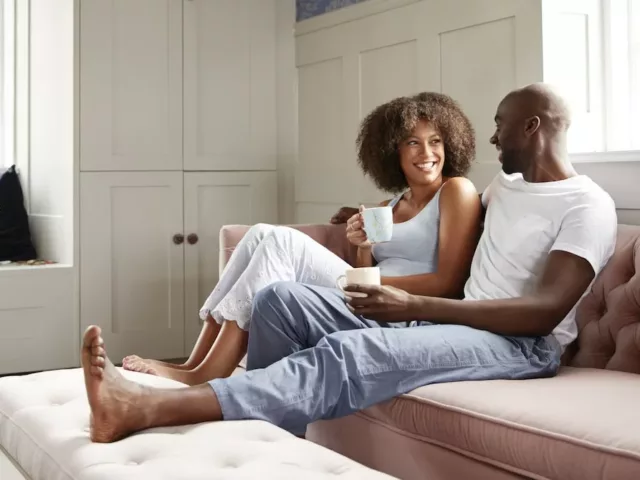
(363, 276)
(378, 224)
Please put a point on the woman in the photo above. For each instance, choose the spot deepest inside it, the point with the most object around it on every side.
(419, 147)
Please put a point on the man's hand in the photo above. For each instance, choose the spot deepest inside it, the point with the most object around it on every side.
(344, 214)
(382, 303)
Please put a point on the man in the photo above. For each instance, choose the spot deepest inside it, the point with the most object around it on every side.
(548, 232)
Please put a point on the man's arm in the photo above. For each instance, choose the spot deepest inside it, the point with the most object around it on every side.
(344, 214)
(564, 280)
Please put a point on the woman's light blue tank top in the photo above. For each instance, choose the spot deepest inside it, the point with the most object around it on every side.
(413, 248)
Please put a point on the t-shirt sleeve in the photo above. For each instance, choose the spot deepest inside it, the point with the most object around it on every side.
(486, 194)
(589, 231)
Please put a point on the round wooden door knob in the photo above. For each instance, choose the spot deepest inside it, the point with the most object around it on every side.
(192, 239)
(178, 238)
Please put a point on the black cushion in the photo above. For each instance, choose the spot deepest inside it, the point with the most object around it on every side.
(15, 236)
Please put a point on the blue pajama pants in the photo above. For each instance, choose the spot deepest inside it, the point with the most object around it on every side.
(310, 358)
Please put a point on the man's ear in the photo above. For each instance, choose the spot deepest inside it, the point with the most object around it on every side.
(531, 125)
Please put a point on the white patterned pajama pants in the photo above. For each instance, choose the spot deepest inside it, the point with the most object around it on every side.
(265, 255)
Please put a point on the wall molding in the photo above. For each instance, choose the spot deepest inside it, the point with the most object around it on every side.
(606, 157)
(348, 14)
(618, 178)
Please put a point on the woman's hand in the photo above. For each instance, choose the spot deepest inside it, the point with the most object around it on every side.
(382, 303)
(355, 230)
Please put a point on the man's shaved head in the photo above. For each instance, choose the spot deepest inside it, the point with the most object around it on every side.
(531, 122)
(542, 100)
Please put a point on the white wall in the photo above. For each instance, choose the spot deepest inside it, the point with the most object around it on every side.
(286, 105)
(351, 60)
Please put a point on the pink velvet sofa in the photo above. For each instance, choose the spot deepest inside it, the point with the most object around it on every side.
(582, 424)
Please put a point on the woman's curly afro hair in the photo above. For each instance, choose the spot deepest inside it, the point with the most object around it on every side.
(389, 124)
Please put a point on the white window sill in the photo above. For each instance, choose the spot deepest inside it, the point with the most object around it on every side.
(11, 267)
(606, 157)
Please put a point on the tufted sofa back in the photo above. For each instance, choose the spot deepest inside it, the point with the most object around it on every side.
(608, 317)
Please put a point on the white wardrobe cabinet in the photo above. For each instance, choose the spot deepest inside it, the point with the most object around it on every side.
(177, 85)
(211, 201)
(177, 139)
(149, 245)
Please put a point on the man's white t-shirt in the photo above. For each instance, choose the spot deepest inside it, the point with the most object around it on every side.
(526, 221)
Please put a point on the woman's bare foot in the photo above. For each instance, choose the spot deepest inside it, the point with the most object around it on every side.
(112, 398)
(188, 377)
(136, 364)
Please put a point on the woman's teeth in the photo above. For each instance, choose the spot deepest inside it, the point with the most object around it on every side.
(426, 167)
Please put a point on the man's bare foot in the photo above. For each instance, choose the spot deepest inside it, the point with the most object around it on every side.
(135, 363)
(112, 398)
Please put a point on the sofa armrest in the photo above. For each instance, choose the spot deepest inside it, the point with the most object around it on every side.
(333, 237)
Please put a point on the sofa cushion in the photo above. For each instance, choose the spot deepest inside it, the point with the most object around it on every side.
(608, 317)
(573, 426)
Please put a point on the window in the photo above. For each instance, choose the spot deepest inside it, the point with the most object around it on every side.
(7, 82)
(621, 48)
(592, 53)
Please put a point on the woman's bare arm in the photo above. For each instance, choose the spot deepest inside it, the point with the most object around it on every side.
(460, 216)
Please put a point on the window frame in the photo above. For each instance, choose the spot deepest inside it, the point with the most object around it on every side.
(617, 89)
(7, 82)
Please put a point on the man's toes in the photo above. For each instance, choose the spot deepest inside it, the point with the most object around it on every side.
(97, 361)
(98, 351)
(91, 334)
(96, 371)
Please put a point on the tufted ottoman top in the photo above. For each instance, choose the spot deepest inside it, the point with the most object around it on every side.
(44, 421)
(608, 317)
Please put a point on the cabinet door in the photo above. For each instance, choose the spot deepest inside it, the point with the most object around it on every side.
(131, 85)
(38, 323)
(131, 271)
(212, 200)
(229, 85)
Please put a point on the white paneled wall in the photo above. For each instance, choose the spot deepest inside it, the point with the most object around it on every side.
(286, 110)
(474, 51)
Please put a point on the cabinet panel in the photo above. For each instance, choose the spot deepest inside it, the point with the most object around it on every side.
(211, 201)
(131, 85)
(229, 85)
(38, 328)
(131, 271)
